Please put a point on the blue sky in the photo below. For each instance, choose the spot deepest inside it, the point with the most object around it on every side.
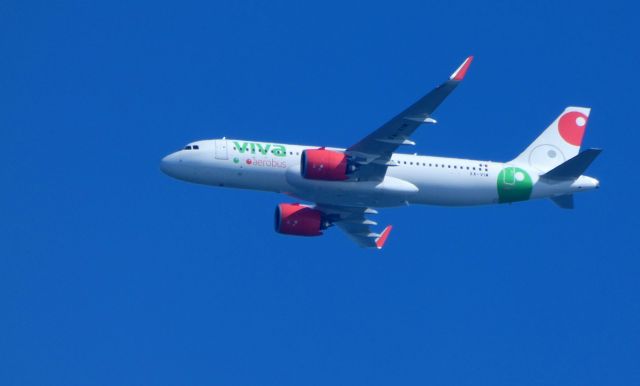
(113, 273)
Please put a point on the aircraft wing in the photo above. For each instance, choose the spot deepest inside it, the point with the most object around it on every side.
(373, 152)
(353, 222)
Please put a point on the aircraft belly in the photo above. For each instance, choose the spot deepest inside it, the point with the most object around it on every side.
(389, 192)
(259, 179)
(451, 195)
(452, 188)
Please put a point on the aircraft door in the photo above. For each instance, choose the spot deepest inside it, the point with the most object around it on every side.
(221, 149)
(509, 176)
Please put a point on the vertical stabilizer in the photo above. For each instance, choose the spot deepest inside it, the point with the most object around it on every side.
(558, 143)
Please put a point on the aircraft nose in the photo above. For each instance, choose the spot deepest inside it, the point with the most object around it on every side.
(168, 164)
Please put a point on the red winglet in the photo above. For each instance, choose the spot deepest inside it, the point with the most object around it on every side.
(383, 237)
(462, 70)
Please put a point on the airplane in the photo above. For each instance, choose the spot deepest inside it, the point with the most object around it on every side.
(342, 187)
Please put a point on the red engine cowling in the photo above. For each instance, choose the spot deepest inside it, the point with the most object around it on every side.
(321, 164)
(300, 220)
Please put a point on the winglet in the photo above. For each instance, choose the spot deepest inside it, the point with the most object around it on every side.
(383, 237)
(462, 70)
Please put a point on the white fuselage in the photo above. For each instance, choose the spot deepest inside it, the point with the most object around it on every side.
(416, 180)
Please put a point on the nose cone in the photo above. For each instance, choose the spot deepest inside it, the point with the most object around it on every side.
(169, 164)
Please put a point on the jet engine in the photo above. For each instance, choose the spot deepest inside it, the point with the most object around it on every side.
(299, 220)
(322, 164)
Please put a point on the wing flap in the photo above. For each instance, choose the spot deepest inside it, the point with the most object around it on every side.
(357, 227)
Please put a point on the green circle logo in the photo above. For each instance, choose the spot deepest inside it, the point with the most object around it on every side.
(514, 184)
(235, 160)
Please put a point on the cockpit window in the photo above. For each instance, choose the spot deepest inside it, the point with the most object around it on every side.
(187, 147)
(196, 147)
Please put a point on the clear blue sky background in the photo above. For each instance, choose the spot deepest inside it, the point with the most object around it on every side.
(111, 273)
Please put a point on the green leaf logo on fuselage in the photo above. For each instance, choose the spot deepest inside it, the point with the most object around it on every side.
(514, 184)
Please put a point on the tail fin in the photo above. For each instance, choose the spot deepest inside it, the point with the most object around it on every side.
(559, 142)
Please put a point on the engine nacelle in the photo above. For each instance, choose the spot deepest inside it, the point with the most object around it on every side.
(321, 164)
(299, 220)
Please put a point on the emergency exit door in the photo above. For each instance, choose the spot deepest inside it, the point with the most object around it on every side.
(221, 149)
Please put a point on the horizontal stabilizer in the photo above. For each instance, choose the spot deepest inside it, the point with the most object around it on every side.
(565, 202)
(574, 167)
